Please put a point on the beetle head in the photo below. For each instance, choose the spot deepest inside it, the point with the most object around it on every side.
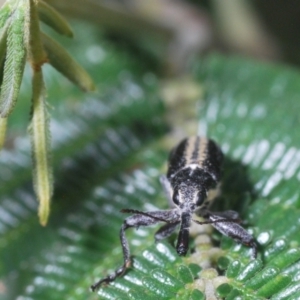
(188, 196)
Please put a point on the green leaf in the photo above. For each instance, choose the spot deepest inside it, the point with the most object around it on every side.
(3, 39)
(97, 128)
(5, 12)
(262, 164)
(41, 150)
(35, 51)
(66, 65)
(14, 63)
(52, 18)
(3, 122)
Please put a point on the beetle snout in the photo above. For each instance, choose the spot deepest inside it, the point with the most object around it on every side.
(187, 207)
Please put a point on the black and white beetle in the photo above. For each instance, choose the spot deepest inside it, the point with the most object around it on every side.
(193, 172)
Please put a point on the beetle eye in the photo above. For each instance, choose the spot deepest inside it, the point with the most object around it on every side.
(200, 198)
(176, 197)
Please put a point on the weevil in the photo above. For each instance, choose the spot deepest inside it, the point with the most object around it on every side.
(194, 171)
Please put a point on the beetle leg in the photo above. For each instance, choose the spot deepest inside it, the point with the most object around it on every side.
(235, 231)
(165, 231)
(168, 216)
(126, 264)
(138, 219)
(227, 223)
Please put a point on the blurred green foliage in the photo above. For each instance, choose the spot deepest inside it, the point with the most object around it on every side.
(108, 154)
